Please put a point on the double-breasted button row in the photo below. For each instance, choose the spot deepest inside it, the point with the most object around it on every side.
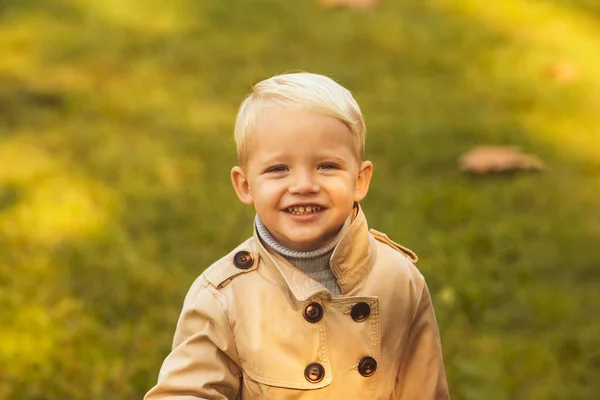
(313, 312)
(314, 372)
(243, 259)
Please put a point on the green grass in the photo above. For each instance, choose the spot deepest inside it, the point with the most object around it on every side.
(116, 143)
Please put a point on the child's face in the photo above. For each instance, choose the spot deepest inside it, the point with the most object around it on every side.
(302, 176)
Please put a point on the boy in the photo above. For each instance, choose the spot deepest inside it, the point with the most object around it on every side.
(314, 305)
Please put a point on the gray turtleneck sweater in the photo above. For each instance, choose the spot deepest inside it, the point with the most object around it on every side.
(313, 263)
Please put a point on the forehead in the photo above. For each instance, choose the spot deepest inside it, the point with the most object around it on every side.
(280, 127)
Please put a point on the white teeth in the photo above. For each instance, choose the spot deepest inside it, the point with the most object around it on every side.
(304, 209)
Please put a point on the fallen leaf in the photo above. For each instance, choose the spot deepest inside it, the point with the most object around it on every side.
(491, 159)
(357, 4)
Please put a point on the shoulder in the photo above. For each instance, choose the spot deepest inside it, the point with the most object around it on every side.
(405, 251)
(398, 261)
(241, 260)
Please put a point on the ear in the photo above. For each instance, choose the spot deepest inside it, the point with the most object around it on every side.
(364, 179)
(241, 185)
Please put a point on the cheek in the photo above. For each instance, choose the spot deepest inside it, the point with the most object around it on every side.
(343, 189)
(266, 192)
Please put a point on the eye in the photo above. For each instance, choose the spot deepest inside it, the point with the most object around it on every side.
(328, 166)
(277, 168)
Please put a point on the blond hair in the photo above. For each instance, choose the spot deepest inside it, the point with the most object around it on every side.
(301, 91)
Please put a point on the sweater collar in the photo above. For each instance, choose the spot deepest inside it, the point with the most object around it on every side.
(351, 261)
(326, 249)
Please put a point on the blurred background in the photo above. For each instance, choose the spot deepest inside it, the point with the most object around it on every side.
(116, 141)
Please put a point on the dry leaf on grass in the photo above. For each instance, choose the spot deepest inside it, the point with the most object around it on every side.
(358, 4)
(490, 159)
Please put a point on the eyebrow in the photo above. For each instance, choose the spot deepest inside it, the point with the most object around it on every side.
(272, 160)
(280, 159)
(336, 159)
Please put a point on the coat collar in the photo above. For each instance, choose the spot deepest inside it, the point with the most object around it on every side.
(351, 261)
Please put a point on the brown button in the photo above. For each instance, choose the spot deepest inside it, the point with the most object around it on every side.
(367, 366)
(313, 312)
(243, 259)
(314, 372)
(360, 311)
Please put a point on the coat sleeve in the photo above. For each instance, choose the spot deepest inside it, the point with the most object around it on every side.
(422, 375)
(203, 363)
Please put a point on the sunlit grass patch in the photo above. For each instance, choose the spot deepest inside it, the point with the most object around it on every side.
(54, 203)
(546, 36)
(145, 17)
(17, 44)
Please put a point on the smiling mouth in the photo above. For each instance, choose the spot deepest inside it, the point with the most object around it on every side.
(304, 210)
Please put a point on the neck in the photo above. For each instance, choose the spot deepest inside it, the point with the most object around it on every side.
(313, 263)
(288, 253)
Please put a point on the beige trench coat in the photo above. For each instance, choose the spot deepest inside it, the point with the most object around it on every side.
(255, 327)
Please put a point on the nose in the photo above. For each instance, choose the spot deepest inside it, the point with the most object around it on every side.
(303, 182)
